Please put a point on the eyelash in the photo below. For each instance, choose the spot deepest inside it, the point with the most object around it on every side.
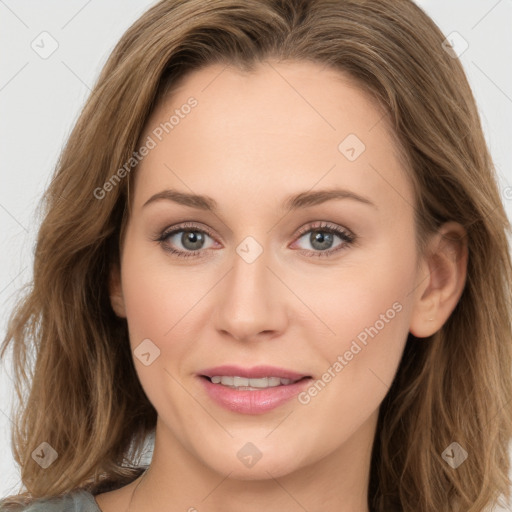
(346, 236)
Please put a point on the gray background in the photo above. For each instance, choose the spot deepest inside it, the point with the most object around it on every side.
(40, 99)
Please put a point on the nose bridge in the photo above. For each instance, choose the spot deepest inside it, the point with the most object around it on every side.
(250, 301)
(249, 279)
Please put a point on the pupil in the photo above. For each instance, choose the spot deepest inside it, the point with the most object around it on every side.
(192, 239)
(321, 239)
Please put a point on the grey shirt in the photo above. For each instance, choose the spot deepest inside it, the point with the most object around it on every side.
(76, 501)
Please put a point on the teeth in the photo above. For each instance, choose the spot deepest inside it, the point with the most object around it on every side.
(242, 382)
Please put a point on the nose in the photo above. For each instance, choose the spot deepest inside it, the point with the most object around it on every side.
(252, 302)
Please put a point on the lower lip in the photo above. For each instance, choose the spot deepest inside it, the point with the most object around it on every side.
(253, 402)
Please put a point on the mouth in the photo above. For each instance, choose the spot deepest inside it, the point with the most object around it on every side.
(252, 390)
(257, 377)
(254, 384)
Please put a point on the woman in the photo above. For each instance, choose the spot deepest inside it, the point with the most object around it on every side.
(275, 241)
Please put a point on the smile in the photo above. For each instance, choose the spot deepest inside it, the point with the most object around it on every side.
(254, 390)
(248, 384)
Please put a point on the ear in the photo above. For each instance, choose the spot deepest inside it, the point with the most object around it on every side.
(116, 291)
(441, 280)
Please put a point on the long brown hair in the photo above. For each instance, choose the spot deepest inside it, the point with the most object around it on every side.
(74, 374)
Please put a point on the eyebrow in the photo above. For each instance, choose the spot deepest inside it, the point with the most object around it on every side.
(301, 200)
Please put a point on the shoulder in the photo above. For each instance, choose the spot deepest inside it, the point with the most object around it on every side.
(76, 501)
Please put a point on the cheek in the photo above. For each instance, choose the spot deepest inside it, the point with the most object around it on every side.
(158, 303)
(367, 309)
(374, 292)
(156, 296)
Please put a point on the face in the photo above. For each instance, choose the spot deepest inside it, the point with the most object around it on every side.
(300, 257)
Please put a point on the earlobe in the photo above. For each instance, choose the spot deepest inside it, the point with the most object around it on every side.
(441, 281)
(116, 292)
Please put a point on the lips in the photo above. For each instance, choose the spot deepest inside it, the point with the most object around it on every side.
(256, 372)
(249, 400)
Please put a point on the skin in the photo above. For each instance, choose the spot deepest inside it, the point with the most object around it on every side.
(253, 140)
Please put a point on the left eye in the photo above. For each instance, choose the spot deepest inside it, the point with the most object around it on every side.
(322, 239)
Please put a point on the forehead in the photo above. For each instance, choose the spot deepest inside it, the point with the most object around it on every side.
(280, 128)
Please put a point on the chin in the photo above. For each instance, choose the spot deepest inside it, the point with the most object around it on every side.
(249, 463)
(261, 471)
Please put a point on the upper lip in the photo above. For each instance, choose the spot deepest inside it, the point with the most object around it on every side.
(255, 372)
